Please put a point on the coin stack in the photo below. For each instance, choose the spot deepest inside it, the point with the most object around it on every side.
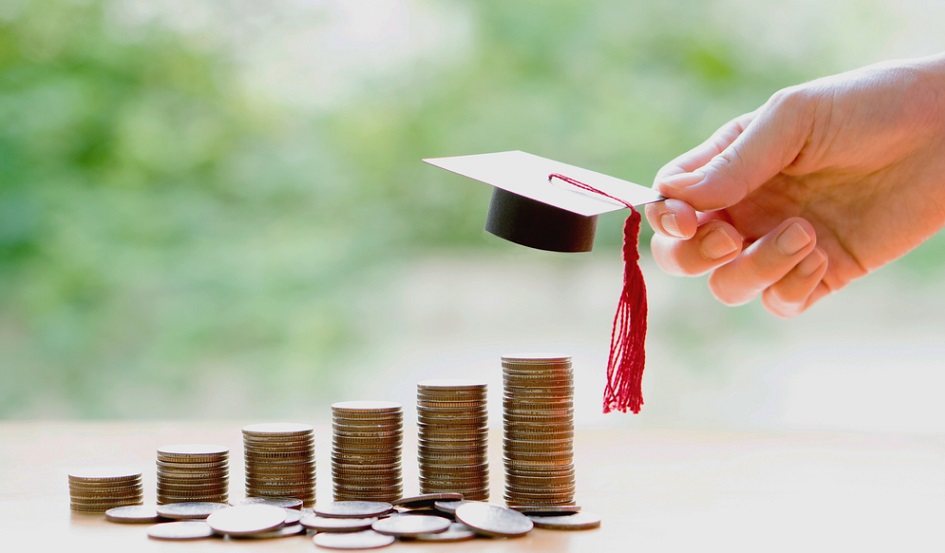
(453, 433)
(280, 461)
(538, 411)
(367, 439)
(193, 472)
(96, 490)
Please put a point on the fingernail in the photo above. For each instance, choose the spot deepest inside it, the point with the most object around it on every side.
(717, 244)
(669, 224)
(683, 180)
(793, 239)
(811, 263)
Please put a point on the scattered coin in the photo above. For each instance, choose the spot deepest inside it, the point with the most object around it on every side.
(456, 532)
(546, 510)
(426, 500)
(326, 524)
(411, 526)
(196, 510)
(292, 516)
(133, 514)
(280, 532)
(577, 521)
(353, 509)
(449, 507)
(284, 502)
(187, 530)
(365, 539)
(493, 521)
(246, 519)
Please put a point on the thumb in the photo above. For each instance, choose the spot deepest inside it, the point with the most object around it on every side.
(739, 157)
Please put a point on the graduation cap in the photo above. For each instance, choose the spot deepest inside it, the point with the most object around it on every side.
(549, 205)
(540, 203)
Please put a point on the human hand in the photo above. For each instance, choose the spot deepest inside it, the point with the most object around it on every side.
(824, 183)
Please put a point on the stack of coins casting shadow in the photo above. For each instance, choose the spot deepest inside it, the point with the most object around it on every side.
(193, 472)
(280, 461)
(453, 434)
(367, 440)
(98, 490)
(538, 411)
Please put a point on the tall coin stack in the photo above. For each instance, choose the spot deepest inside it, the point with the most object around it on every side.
(367, 440)
(538, 411)
(453, 434)
(280, 461)
(193, 472)
(96, 490)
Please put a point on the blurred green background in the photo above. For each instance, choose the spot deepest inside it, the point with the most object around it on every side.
(218, 209)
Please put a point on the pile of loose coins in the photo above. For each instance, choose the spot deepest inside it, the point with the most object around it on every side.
(369, 510)
(453, 433)
(95, 490)
(538, 418)
(193, 472)
(280, 460)
(367, 440)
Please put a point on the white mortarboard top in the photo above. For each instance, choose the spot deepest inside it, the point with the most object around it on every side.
(531, 208)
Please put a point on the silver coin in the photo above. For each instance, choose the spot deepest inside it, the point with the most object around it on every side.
(193, 450)
(365, 539)
(246, 519)
(411, 525)
(360, 406)
(187, 530)
(104, 474)
(284, 502)
(449, 507)
(292, 516)
(546, 510)
(456, 532)
(576, 521)
(280, 532)
(353, 509)
(325, 524)
(278, 429)
(189, 510)
(426, 500)
(133, 514)
(492, 520)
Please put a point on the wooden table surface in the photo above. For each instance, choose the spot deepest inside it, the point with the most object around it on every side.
(656, 490)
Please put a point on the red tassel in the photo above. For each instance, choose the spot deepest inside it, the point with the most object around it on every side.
(627, 355)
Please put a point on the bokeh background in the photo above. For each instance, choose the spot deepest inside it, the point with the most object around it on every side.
(217, 209)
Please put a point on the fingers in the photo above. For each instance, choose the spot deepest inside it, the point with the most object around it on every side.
(765, 263)
(800, 288)
(741, 156)
(712, 245)
(672, 218)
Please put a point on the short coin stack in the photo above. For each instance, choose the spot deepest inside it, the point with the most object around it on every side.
(367, 440)
(96, 490)
(453, 432)
(193, 472)
(280, 461)
(538, 411)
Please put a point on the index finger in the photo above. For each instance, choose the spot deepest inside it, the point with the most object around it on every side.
(703, 153)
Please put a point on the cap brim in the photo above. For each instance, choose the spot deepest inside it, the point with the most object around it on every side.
(527, 175)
